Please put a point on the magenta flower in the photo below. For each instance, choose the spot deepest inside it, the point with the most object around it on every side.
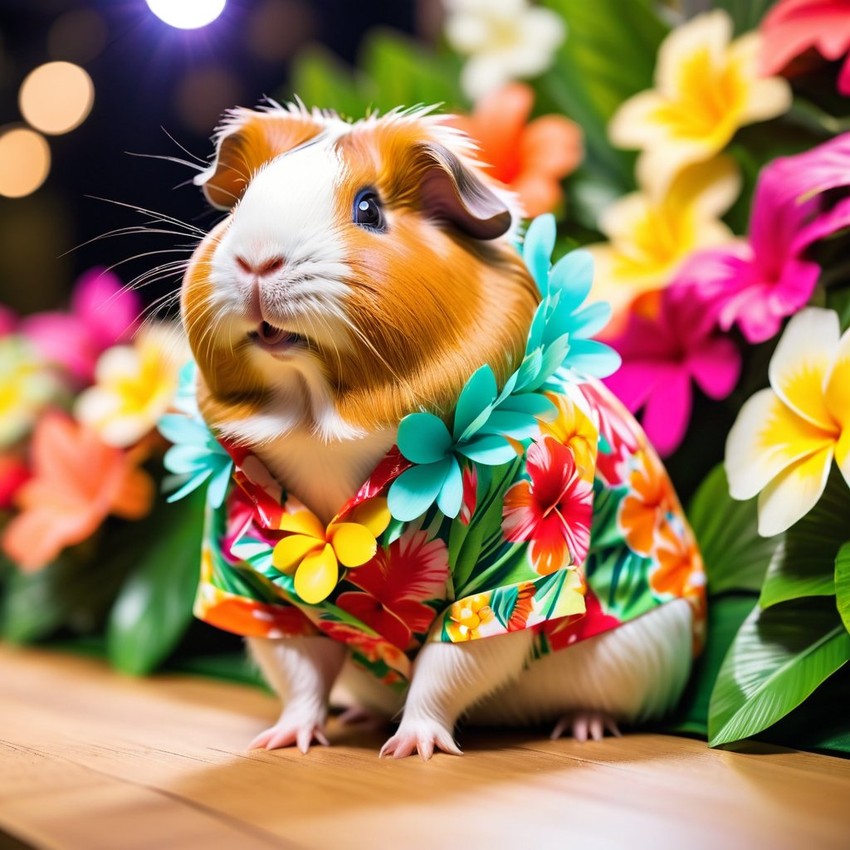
(664, 355)
(102, 313)
(757, 283)
(793, 27)
(8, 321)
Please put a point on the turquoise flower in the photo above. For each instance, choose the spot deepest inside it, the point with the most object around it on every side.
(195, 457)
(483, 419)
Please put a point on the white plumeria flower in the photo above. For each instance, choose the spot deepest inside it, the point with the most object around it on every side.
(134, 386)
(505, 40)
(785, 437)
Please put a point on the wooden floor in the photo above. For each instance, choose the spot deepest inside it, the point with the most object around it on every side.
(91, 760)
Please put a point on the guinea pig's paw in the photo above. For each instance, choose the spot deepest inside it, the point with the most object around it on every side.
(422, 736)
(585, 725)
(294, 727)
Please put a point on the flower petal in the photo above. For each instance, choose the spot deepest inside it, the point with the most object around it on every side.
(766, 439)
(423, 438)
(353, 544)
(477, 394)
(537, 249)
(317, 576)
(415, 490)
(303, 522)
(289, 552)
(668, 411)
(793, 493)
(374, 514)
(450, 497)
(799, 366)
(837, 387)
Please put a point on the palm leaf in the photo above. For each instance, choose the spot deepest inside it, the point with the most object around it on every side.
(842, 584)
(804, 563)
(779, 657)
(736, 557)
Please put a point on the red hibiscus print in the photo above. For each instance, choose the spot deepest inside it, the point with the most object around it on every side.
(553, 510)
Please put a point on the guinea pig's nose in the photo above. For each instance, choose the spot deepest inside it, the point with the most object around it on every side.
(260, 268)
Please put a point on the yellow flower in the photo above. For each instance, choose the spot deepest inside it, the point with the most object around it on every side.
(783, 442)
(505, 40)
(134, 386)
(313, 553)
(572, 428)
(26, 386)
(706, 87)
(466, 617)
(652, 235)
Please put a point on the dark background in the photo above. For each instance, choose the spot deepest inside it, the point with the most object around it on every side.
(151, 82)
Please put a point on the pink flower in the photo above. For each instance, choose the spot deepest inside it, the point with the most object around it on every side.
(794, 26)
(553, 510)
(103, 312)
(664, 355)
(759, 282)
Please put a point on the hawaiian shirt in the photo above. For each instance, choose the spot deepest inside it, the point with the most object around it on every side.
(579, 532)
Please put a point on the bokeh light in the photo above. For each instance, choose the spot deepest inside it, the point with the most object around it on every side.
(24, 161)
(56, 97)
(187, 14)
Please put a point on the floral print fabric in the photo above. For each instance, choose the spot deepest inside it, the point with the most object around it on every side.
(578, 533)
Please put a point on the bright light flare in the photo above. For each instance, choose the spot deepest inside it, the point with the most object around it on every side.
(187, 14)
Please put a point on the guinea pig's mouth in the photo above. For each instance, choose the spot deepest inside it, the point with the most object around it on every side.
(275, 340)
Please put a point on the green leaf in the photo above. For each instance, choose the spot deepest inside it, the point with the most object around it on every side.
(503, 602)
(154, 608)
(839, 300)
(75, 591)
(735, 556)
(804, 563)
(746, 14)
(320, 79)
(405, 74)
(842, 584)
(779, 657)
(725, 615)
(608, 56)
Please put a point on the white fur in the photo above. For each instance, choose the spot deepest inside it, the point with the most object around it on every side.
(301, 671)
(324, 475)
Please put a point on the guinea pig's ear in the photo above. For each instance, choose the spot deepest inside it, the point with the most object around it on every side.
(247, 139)
(451, 190)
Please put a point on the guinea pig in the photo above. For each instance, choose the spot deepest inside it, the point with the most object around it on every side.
(363, 272)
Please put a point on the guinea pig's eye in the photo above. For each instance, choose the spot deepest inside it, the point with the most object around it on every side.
(367, 210)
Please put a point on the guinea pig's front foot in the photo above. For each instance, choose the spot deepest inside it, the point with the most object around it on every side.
(422, 736)
(295, 727)
(586, 725)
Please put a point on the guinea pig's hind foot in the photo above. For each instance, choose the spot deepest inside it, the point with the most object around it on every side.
(586, 725)
(422, 736)
(293, 728)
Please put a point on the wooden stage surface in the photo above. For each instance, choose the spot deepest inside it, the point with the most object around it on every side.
(91, 760)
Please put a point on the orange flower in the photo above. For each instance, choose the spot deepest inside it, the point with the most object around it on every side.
(77, 482)
(531, 158)
(680, 571)
(645, 508)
